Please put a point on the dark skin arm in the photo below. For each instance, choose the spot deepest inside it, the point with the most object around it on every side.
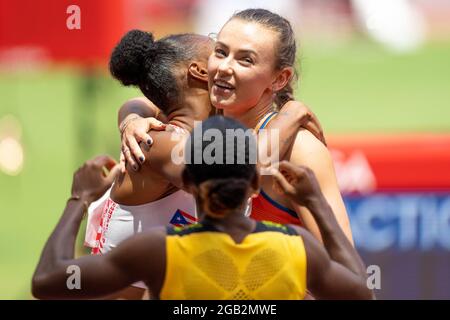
(342, 272)
(100, 275)
(166, 156)
(287, 122)
(136, 118)
(139, 111)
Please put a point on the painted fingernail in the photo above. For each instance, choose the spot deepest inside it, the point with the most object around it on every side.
(141, 159)
(135, 168)
(149, 141)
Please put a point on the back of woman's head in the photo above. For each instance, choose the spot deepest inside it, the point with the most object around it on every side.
(286, 46)
(221, 162)
(139, 60)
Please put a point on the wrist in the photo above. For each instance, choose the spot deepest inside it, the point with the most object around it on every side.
(127, 120)
(81, 198)
(316, 203)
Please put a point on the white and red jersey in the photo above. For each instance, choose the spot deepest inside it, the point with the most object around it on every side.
(118, 222)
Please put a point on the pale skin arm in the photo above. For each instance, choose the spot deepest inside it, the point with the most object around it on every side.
(310, 152)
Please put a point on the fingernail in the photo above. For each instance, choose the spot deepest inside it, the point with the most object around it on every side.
(149, 141)
(141, 159)
(135, 168)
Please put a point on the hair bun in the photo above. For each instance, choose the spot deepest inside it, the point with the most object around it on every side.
(128, 59)
(220, 196)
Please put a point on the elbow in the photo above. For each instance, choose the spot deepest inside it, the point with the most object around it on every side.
(368, 295)
(365, 293)
(38, 287)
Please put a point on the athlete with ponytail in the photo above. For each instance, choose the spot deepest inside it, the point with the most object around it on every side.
(250, 72)
(172, 73)
(226, 255)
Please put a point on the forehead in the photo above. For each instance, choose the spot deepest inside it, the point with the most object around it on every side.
(238, 34)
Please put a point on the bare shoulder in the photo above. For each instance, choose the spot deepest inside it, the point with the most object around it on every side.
(139, 102)
(307, 149)
(294, 104)
(166, 145)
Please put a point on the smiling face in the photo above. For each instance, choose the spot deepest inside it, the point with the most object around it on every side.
(241, 68)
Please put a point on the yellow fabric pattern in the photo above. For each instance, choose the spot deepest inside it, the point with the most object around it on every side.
(210, 265)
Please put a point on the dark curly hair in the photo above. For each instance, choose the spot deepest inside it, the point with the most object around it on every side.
(223, 184)
(139, 60)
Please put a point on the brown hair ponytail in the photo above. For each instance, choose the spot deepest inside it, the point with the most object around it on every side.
(284, 95)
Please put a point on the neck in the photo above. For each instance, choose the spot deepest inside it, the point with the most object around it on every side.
(253, 116)
(194, 106)
(235, 221)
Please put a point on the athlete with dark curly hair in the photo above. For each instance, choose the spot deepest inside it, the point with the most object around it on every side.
(226, 255)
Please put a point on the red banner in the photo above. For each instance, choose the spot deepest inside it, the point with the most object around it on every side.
(415, 162)
(81, 31)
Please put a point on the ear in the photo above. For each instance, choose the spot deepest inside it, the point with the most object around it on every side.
(198, 71)
(282, 79)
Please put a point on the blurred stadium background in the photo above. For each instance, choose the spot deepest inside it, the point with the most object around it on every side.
(377, 76)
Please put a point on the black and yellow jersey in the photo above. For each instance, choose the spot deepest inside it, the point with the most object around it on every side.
(204, 263)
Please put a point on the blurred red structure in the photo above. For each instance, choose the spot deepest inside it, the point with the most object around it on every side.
(38, 29)
(411, 163)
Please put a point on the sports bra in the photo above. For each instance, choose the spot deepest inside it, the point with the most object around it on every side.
(265, 208)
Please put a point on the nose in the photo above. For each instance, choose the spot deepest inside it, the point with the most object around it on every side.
(225, 67)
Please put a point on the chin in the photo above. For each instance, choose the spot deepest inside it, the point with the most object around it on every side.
(223, 105)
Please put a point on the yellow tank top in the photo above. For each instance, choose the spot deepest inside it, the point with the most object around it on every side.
(203, 263)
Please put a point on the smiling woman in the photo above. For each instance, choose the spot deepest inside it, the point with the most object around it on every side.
(250, 73)
(249, 79)
(243, 60)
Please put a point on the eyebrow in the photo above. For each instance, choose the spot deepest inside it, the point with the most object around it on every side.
(240, 50)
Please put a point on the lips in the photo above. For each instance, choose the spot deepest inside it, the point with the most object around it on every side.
(224, 85)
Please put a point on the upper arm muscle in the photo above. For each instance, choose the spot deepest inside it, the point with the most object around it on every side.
(310, 152)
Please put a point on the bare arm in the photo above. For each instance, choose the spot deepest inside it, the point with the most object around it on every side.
(328, 278)
(167, 156)
(136, 118)
(139, 106)
(335, 270)
(99, 275)
(310, 152)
